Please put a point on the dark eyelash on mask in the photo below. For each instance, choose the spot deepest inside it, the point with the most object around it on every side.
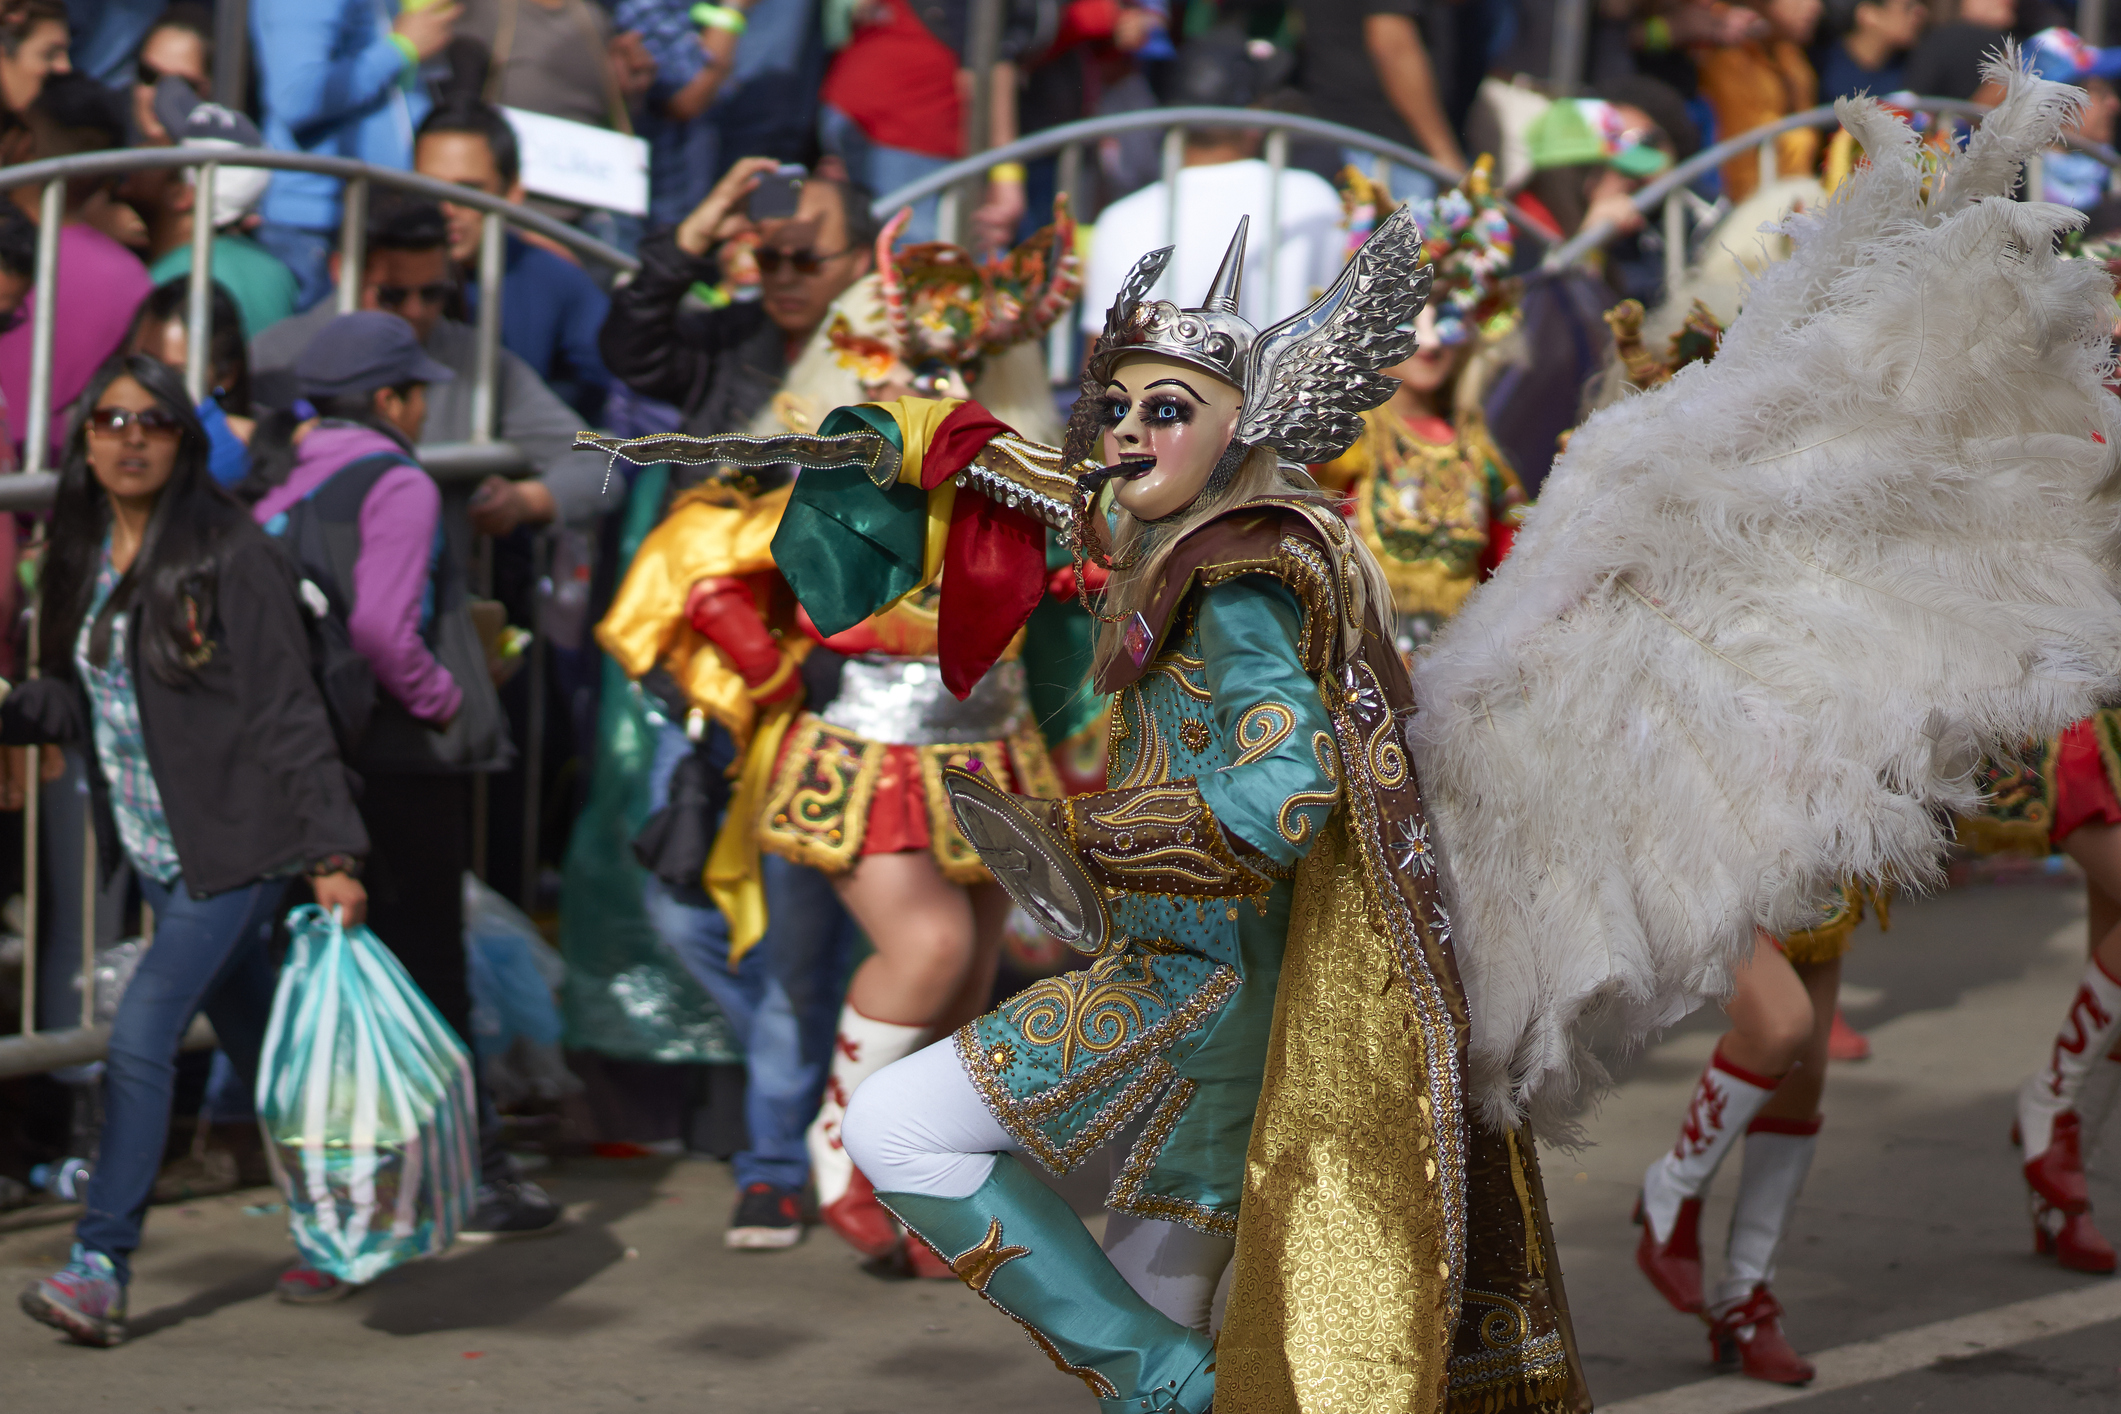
(1113, 410)
(1166, 407)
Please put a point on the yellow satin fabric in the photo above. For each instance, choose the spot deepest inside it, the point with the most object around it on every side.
(1338, 1301)
(733, 878)
(709, 533)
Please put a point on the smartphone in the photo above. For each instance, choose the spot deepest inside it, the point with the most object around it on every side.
(775, 197)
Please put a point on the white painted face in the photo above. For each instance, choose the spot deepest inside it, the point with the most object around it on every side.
(1169, 423)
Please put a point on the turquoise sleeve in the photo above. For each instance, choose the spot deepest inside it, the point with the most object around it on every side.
(1280, 785)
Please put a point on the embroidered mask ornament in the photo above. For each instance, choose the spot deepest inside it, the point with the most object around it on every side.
(944, 313)
(1467, 242)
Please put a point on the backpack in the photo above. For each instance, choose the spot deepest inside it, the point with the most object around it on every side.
(323, 533)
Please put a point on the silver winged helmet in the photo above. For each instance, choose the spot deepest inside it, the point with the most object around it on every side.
(1307, 380)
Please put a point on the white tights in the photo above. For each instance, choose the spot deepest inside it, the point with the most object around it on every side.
(919, 1126)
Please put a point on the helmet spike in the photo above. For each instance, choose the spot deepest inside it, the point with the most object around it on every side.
(1222, 292)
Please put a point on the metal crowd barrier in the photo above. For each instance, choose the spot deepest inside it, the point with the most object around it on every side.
(33, 487)
(1069, 140)
(1669, 191)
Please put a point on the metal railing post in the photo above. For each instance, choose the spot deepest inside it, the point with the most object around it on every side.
(534, 734)
(32, 816)
(1277, 161)
(493, 251)
(1674, 240)
(983, 43)
(353, 243)
(37, 417)
(232, 54)
(1060, 339)
(486, 371)
(1174, 161)
(199, 310)
(1572, 27)
(30, 864)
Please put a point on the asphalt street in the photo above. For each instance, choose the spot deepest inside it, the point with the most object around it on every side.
(1910, 1276)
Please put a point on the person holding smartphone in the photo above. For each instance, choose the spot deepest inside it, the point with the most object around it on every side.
(173, 651)
(721, 366)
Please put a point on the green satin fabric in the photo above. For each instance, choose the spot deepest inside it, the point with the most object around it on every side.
(1015, 1242)
(1280, 799)
(846, 546)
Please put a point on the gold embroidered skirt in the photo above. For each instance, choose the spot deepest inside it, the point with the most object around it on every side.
(840, 792)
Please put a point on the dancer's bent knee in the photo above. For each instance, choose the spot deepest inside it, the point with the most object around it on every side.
(918, 1126)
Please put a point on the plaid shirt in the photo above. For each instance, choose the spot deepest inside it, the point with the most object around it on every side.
(135, 800)
(670, 37)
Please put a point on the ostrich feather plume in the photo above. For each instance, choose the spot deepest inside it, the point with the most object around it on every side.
(1765, 619)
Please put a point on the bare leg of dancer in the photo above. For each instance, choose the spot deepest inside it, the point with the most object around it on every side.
(1775, 1025)
(937, 946)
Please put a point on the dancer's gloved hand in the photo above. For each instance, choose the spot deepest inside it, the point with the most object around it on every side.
(1061, 584)
(724, 612)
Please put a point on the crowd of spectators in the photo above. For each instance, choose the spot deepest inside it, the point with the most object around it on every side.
(864, 97)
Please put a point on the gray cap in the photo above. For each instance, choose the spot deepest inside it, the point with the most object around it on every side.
(361, 352)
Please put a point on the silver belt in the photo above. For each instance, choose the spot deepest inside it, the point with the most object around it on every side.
(903, 701)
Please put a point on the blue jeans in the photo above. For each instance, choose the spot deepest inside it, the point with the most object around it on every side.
(1406, 183)
(305, 252)
(210, 954)
(782, 999)
(881, 169)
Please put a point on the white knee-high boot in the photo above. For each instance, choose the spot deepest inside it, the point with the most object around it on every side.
(1778, 1155)
(862, 1048)
(1724, 1102)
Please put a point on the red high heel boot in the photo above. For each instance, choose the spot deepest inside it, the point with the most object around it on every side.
(862, 1221)
(1766, 1353)
(1673, 1266)
(2061, 1203)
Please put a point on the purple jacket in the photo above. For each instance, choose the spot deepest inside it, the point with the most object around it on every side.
(398, 521)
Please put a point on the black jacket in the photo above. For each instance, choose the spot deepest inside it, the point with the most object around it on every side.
(717, 366)
(242, 752)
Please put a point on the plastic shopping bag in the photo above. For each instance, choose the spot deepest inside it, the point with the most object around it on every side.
(513, 971)
(365, 1098)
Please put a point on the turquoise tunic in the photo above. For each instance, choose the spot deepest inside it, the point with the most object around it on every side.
(1180, 1004)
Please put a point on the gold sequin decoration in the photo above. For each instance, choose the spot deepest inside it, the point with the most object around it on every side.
(1127, 1195)
(1083, 1011)
(1262, 729)
(817, 811)
(1324, 1314)
(1193, 735)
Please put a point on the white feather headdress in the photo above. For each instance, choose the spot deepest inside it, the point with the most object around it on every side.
(1765, 619)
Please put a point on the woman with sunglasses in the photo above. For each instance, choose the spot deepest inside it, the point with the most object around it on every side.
(172, 647)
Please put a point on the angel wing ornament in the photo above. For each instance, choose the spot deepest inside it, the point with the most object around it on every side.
(1765, 619)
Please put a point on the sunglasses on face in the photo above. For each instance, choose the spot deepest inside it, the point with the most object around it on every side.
(804, 262)
(395, 296)
(149, 76)
(152, 422)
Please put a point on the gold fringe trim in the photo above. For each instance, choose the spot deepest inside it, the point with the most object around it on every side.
(1986, 835)
(1546, 1394)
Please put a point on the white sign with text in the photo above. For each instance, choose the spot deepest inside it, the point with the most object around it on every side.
(571, 161)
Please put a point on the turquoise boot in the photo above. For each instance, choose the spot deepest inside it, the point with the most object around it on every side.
(1017, 1244)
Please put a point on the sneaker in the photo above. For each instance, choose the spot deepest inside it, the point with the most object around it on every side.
(84, 1298)
(510, 1208)
(304, 1285)
(766, 1217)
